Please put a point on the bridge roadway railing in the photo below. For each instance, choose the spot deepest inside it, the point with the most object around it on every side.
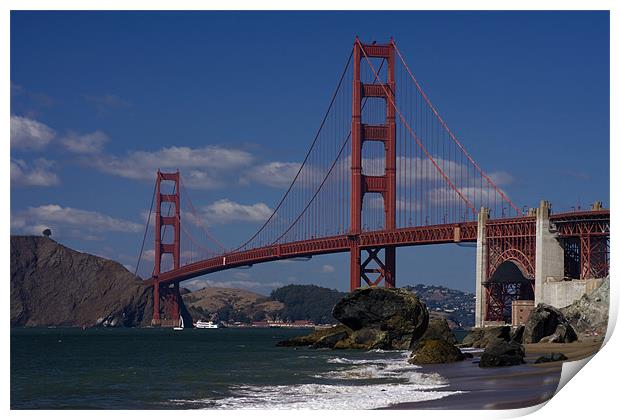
(421, 235)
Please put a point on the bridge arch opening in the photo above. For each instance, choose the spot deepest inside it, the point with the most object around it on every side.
(507, 284)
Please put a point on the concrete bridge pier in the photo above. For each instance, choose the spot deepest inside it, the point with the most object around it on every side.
(549, 253)
(481, 265)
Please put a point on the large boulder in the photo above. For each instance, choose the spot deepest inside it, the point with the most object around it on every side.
(383, 318)
(502, 353)
(435, 351)
(548, 324)
(482, 337)
(589, 315)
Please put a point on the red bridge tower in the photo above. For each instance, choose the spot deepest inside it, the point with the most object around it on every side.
(383, 184)
(167, 294)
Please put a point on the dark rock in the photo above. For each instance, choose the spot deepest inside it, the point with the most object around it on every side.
(516, 333)
(391, 318)
(547, 322)
(468, 355)
(435, 351)
(371, 338)
(482, 337)
(589, 315)
(564, 333)
(437, 329)
(308, 340)
(502, 353)
(329, 341)
(551, 357)
(52, 285)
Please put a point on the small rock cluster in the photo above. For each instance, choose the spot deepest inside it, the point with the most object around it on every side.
(437, 345)
(502, 345)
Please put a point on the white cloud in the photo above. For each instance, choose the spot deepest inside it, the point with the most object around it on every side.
(226, 211)
(203, 168)
(477, 196)
(84, 143)
(501, 178)
(29, 134)
(38, 174)
(272, 174)
(328, 268)
(69, 222)
(148, 255)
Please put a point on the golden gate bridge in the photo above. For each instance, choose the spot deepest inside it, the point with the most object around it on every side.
(384, 170)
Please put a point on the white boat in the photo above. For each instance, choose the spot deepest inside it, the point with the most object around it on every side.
(206, 324)
(180, 327)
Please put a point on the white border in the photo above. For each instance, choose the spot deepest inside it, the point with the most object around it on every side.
(592, 394)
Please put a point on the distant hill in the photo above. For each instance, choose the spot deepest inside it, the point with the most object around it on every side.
(52, 285)
(456, 306)
(230, 305)
(288, 303)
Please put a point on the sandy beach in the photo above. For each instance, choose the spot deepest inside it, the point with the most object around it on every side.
(506, 387)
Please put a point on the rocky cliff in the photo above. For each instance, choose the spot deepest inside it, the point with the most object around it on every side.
(589, 315)
(54, 285)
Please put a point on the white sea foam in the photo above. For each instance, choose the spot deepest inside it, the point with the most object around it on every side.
(398, 369)
(352, 385)
(320, 396)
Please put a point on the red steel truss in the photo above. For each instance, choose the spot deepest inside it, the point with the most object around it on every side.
(586, 238)
(512, 240)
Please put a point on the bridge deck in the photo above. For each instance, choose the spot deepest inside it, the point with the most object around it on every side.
(422, 235)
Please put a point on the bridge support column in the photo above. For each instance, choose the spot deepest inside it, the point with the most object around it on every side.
(173, 220)
(354, 270)
(390, 267)
(549, 253)
(156, 321)
(371, 269)
(481, 267)
(176, 299)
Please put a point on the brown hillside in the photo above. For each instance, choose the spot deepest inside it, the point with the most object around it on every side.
(213, 299)
(55, 285)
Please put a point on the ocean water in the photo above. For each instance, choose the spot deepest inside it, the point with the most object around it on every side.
(69, 368)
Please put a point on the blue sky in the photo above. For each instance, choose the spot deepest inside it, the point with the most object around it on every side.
(99, 98)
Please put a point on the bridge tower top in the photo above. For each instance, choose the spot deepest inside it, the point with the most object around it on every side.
(162, 221)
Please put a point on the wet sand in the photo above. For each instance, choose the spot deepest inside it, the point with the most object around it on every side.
(507, 387)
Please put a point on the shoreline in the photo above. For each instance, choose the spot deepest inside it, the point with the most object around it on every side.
(506, 387)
